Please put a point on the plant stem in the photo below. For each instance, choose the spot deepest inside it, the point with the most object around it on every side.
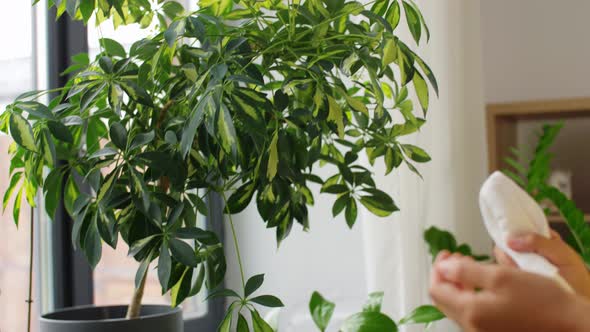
(134, 308)
(31, 254)
(233, 232)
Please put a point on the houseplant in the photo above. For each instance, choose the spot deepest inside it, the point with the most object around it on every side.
(241, 99)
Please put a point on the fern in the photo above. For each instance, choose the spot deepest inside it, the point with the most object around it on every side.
(574, 218)
(534, 180)
(534, 176)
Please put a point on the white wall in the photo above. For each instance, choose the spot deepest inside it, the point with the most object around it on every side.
(535, 49)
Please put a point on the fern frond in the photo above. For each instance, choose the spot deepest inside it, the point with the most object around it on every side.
(574, 217)
(540, 165)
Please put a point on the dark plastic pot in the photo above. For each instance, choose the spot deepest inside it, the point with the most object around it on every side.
(153, 318)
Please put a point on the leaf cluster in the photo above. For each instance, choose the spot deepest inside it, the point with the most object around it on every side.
(244, 97)
(370, 319)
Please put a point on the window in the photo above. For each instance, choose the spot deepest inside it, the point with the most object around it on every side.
(21, 62)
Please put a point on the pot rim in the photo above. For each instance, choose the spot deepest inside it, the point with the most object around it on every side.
(170, 311)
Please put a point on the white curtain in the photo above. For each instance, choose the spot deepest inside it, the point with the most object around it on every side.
(397, 261)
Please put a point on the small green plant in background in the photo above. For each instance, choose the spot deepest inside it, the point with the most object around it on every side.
(370, 319)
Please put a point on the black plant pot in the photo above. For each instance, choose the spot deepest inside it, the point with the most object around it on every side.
(153, 318)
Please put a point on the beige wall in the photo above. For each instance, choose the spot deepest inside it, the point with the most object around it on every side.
(535, 49)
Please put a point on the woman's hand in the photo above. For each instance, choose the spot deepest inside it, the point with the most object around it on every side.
(555, 250)
(509, 300)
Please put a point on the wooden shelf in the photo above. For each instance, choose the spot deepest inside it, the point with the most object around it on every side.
(502, 120)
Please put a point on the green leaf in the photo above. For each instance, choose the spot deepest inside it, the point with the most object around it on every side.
(439, 240)
(421, 91)
(268, 301)
(377, 206)
(273, 158)
(242, 324)
(164, 266)
(172, 9)
(253, 284)
(142, 139)
(260, 325)
(415, 153)
(241, 198)
(16, 177)
(351, 212)
(86, 9)
(336, 116)
(389, 52)
(226, 131)
(340, 204)
(335, 188)
(321, 310)
(17, 205)
(423, 315)
(175, 29)
(225, 325)
(394, 14)
(35, 109)
(204, 107)
(106, 152)
(369, 322)
(118, 135)
(52, 190)
(183, 252)
(374, 302)
(413, 20)
(93, 244)
(427, 72)
(60, 131)
(137, 93)
(180, 291)
(112, 47)
(21, 132)
(140, 244)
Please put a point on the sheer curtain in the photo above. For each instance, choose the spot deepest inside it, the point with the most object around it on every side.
(397, 261)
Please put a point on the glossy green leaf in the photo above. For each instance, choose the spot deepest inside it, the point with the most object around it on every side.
(415, 153)
(374, 302)
(369, 321)
(118, 135)
(351, 212)
(253, 284)
(268, 301)
(273, 158)
(112, 47)
(423, 315)
(141, 140)
(321, 310)
(241, 198)
(21, 132)
(60, 131)
(421, 91)
(242, 324)
(164, 266)
(180, 291)
(183, 252)
(377, 206)
(413, 20)
(260, 325)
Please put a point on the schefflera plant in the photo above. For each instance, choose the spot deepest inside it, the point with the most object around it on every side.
(243, 99)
